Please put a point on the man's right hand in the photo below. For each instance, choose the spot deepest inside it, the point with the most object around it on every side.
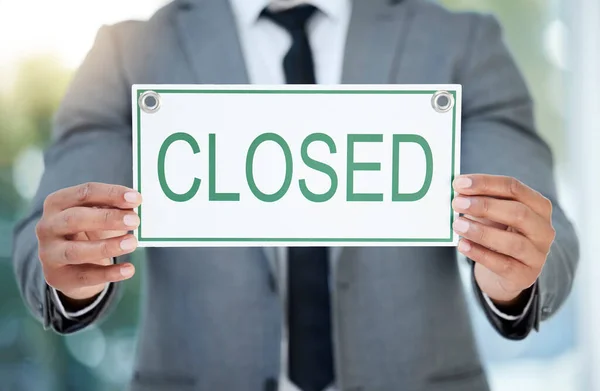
(81, 230)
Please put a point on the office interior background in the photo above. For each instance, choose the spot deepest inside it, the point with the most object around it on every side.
(556, 44)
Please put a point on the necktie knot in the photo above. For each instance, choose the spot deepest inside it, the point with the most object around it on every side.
(298, 62)
(291, 19)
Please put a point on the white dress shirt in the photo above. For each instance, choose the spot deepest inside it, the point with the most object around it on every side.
(264, 45)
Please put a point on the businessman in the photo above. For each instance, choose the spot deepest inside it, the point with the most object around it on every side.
(310, 319)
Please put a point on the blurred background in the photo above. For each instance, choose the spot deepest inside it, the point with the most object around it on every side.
(555, 42)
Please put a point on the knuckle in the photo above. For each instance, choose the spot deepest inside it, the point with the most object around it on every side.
(84, 192)
(484, 204)
(70, 252)
(48, 201)
(113, 191)
(551, 237)
(548, 206)
(107, 215)
(552, 234)
(69, 219)
(521, 213)
(481, 233)
(43, 254)
(41, 228)
(518, 247)
(514, 186)
(105, 250)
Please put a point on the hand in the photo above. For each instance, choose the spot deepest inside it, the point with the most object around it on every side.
(81, 230)
(506, 229)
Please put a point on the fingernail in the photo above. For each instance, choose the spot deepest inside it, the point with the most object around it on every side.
(132, 197)
(131, 220)
(462, 203)
(464, 246)
(463, 182)
(128, 244)
(127, 270)
(460, 226)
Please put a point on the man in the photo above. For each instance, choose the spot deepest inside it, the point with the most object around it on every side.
(346, 318)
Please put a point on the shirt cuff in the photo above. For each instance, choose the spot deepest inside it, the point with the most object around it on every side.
(75, 314)
(504, 316)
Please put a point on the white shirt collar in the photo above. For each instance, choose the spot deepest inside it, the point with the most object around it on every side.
(248, 11)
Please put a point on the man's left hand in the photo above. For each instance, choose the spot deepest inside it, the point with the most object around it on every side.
(506, 229)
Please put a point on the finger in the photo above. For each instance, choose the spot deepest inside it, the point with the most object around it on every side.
(99, 235)
(79, 219)
(485, 221)
(507, 212)
(505, 242)
(503, 187)
(499, 264)
(93, 193)
(74, 277)
(71, 252)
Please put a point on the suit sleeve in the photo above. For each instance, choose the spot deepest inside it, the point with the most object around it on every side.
(91, 143)
(499, 137)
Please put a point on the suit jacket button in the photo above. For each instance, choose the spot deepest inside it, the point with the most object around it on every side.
(270, 384)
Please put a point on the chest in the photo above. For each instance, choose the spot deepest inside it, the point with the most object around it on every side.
(394, 47)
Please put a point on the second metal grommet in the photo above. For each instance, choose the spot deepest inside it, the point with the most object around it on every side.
(149, 102)
(442, 101)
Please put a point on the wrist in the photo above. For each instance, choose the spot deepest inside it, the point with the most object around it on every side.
(516, 306)
(503, 298)
(498, 290)
(75, 301)
(510, 301)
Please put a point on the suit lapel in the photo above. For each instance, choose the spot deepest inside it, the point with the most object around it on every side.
(273, 259)
(214, 52)
(374, 46)
(335, 254)
(376, 36)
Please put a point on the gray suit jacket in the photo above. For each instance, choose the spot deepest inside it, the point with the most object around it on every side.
(212, 316)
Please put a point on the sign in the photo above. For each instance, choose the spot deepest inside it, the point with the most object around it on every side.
(249, 165)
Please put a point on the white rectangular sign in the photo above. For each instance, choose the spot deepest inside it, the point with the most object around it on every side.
(247, 165)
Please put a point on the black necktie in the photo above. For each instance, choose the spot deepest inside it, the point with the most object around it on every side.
(309, 308)
(298, 62)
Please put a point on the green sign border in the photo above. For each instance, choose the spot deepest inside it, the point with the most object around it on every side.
(320, 92)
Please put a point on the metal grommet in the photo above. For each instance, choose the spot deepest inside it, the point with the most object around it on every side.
(442, 101)
(149, 102)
